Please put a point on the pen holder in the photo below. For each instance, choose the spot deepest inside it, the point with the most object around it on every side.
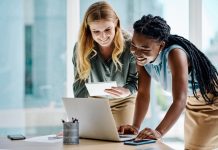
(71, 132)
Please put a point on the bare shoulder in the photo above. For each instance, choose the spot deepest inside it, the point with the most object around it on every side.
(178, 62)
(177, 55)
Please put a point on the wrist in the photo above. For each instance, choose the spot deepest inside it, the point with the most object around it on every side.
(158, 134)
(136, 127)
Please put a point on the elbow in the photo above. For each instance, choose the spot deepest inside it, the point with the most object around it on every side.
(143, 96)
(183, 104)
(180, 103)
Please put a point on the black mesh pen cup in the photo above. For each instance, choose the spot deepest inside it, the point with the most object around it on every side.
(71, 132)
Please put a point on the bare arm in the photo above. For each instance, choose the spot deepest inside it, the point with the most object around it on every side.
(178, 64)
(142, 103)
(143, 97)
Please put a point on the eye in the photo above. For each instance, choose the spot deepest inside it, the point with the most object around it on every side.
(96, 32)
(107, 30)
(133, 49)
(133, 46)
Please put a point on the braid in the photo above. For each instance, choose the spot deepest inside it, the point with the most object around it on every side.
(201, 67)
(205, 73)
(153, 27)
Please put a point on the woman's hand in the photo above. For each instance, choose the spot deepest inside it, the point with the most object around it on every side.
(127, 129)
(118, 92)
(148, 133)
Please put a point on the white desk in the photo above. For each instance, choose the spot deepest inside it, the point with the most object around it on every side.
(85, 144)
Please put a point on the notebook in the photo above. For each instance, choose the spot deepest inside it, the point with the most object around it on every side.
(95, 118)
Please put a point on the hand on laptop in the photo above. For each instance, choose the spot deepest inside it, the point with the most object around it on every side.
(118, 92)
(148, 133)
(127, 129)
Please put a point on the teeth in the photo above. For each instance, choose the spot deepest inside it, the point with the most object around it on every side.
(140, 59)
(105, 40)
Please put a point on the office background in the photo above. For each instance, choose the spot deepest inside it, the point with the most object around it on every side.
(36, 42)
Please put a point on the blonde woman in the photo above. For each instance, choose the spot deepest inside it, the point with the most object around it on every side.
(102, 54)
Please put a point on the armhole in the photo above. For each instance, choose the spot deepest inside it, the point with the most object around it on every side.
(176, 47)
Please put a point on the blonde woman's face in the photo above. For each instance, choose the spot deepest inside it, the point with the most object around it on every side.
(103, 32)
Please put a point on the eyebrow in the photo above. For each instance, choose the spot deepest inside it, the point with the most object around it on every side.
(144, 47)
(98, 30)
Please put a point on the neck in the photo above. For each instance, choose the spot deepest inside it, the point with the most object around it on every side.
(106, 52)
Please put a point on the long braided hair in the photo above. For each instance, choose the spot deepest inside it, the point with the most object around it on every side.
(201, 67)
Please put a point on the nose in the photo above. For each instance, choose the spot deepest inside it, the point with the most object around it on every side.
(137, 52)
(103, 35)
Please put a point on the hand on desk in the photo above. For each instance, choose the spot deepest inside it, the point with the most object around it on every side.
(146, 133)
(118, 92)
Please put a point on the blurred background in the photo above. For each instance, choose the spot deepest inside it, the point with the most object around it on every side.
(36, 47)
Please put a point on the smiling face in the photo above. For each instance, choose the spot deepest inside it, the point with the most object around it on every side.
(103, 32)
(145, 49)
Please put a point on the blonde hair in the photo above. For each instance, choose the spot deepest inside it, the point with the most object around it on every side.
(97, 11)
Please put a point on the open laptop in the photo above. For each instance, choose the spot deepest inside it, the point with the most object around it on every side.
(95, 118)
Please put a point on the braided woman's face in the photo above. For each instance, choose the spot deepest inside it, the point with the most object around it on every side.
(145, 49)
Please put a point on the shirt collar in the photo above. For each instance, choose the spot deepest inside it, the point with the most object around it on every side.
(157, 61)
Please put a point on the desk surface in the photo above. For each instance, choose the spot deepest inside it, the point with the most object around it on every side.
(85, 144)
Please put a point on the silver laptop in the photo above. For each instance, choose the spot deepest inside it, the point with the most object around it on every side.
(95, 118)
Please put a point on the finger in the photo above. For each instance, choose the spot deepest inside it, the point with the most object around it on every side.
(120, 89)
(150, 136)
(121, 130)
(114, 91)
(144, 134)
(128, 129)
(134, 131)
(114, 94)
(139, 136)
(109, 91)
(150, 133)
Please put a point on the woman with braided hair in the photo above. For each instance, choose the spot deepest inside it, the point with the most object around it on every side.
(181, 69)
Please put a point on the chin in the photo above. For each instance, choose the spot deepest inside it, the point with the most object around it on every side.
(105, 44)
(141, 64)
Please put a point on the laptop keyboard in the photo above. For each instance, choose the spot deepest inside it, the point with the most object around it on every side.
(126, 135)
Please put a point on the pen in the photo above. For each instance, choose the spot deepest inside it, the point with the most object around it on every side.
(75, 120)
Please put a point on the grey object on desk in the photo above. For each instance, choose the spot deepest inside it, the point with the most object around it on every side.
(71, 132)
